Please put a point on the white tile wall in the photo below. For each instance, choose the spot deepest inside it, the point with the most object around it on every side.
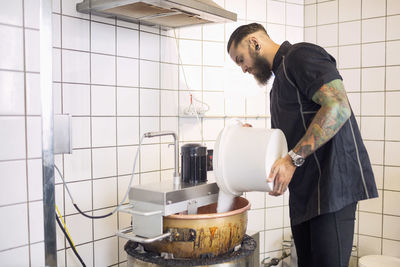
(149, 74)
(108, 75)
(190, 78)
(325, 14)
(127, 42)
(392, 78)
(102, 69)
(33, 102)
(128, 133)
(11, 93)
(393, 53)
(276, 12)
(102, 38)
(149, 102)
(372, 205)
(349, 56)
(370, 224)
(256, 10)
(368, 59)
(14, 218)
(310, 15)
(392, 130)
(103, 131)
(372, 104)
(32, 60)
(128, 72)
(15, 257)
(393, 7)
(12, 138)
(373, 128)
(368, 245)
(104, 162)
(127, 101)
(77, 165)
(349, 33)
(351, 79)
(12, 175)
(75, 33)
(373, 8)
(11, 48)
(373, 30)
(80, 132)
(327, 35)
(391, 248)
(103, 100)
(76, 66)
(391, 228)
(349, 10)
(373, 79)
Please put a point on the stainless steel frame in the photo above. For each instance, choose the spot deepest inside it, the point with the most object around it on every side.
(150, 202)
(46, 90)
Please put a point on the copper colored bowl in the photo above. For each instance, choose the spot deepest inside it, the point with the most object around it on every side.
(205, 233)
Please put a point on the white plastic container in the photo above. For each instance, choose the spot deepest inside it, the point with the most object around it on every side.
(243, 157)
(378, 261)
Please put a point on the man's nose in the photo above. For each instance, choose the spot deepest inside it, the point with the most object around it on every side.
(244, 69)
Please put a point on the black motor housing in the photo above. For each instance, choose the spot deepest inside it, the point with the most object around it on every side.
(193, 163)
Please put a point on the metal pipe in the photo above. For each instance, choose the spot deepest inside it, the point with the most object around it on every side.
(46, 89)
(127, 234)
(177, 180)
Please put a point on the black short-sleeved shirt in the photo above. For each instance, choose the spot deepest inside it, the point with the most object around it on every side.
(338, 173)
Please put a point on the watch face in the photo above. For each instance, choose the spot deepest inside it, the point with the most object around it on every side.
(299, 162)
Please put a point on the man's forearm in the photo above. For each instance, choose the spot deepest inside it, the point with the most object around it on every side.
(332, 115)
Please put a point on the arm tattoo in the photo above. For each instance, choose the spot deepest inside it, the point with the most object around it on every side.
(334, 112)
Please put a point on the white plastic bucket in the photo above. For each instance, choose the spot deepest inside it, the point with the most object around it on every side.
(243, 157)
(378, 261)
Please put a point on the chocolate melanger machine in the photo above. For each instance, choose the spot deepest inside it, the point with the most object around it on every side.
(175, 223)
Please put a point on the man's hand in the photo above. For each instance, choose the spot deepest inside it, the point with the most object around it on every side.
(281, 173)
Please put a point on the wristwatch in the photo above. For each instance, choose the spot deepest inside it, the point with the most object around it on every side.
(296, 159)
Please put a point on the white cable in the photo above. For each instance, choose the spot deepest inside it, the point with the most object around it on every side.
(62, 178)
(187, 86)
(129, 185)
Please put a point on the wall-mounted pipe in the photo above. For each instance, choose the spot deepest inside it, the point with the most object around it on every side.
(177, 179)
(46, 90)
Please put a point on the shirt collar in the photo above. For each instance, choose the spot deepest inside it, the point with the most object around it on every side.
(282, 51)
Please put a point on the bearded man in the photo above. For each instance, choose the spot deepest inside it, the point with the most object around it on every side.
(327, 169)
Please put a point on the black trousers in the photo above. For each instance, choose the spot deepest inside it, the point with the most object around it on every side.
(326, 240)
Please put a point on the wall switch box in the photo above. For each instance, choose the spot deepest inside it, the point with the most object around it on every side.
(62, 134)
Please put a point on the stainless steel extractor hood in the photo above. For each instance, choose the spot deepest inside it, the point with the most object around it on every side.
(166, 13)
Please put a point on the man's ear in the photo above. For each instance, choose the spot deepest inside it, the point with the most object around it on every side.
(254, 43)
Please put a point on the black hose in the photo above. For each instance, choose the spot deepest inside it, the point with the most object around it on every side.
(92, 217)
(70, 242)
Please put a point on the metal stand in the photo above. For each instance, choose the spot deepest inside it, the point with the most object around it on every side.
(46, 89)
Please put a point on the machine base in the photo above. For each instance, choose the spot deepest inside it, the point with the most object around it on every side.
(240, 258)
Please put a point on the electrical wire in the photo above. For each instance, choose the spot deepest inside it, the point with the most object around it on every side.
(70, 242)
(65, 226)
(187, 86)
(122, 201)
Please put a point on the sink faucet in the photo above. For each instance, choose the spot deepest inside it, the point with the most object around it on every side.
(177, 179)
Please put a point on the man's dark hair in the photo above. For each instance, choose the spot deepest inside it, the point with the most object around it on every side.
(240, 33)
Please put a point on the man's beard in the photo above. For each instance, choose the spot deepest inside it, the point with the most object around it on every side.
(261, 69)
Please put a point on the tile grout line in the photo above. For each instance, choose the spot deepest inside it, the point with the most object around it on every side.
(62, 110)
(159, 97)
(26, 134)
(117, 176)
(91, 137)
(384, 133)
(361, 90)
